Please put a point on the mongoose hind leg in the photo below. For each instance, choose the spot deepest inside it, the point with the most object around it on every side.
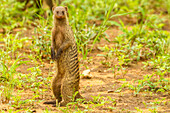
(66, 93)
(69, 89)
(56, 88)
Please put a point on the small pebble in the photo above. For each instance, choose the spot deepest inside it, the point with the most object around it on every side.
(110, 91)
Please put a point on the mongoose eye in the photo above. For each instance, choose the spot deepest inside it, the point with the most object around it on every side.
(63, 12)
(57, 12)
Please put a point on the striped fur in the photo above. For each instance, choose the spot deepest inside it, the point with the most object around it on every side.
(64, 53)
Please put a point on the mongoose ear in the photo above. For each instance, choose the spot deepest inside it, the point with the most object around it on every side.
(66, 8)
(53, 8)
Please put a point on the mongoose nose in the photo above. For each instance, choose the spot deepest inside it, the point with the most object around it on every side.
(60, 16)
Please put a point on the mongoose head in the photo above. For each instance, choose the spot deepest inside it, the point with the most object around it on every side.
(60, 12)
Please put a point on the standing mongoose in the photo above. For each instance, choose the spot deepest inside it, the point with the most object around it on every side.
(64, 52)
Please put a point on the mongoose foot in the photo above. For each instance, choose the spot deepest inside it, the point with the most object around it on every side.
(54, 105)
(53, 102)
(63, 103)
(50, 102)
(52, 53)
(58, 54)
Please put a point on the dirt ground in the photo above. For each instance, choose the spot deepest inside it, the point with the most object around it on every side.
(103, 83)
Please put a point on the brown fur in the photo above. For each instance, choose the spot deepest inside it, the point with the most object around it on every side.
(64, 51)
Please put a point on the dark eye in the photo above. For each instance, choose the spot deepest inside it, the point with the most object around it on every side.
(63, 12)
(57, 12)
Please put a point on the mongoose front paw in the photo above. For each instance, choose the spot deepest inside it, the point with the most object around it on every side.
(58, 54)
(52, 54)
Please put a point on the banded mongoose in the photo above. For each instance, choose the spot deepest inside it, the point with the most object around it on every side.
(64, 52)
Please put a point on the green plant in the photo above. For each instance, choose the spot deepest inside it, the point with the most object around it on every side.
(85, 33)
(141, 44)
(159, 84)
(8, 78)
(12, 15)
(138, 109)
(13, 44)
(41, 41)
